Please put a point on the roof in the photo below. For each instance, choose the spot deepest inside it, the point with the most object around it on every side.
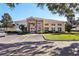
(49, 20)
(37, 18)
(22, 20)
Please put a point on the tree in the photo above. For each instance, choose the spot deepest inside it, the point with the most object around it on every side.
(7, 21)
(66, 9)
(68, 27)
(22, 28)
(11, 5)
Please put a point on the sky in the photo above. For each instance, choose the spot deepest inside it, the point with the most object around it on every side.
(25, 10)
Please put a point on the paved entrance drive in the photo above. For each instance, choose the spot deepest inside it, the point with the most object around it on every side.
(34, 38)
(22, 38)
(34, 44)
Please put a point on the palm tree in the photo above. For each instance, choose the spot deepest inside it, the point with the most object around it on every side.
(22, 27)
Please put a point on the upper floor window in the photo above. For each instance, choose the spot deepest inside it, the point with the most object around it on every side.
(59, 24)
(38, 23)
(32, 24)
(53, 24)
(46, 24)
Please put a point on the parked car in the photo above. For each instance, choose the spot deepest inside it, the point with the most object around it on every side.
(2, 32)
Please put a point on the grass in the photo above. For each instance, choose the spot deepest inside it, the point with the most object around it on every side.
(62, 36)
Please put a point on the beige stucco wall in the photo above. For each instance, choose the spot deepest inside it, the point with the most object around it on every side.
(50, 22)
(46, 21)
(10, 29)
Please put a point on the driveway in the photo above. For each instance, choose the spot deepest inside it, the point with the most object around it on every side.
(35, 38)
(22, 38)
(34, 44)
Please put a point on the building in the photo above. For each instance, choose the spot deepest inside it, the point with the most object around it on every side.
(35, 25)
(39, 25)
(75, 29)
(8, 28)
(20, 22)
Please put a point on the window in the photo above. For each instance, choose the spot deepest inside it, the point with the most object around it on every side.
(53, 29)
(32, 24)
(39, 30)
(38, 23)
(46, 24)
(59, 29)
(53, 24)
(17, 24)
(46, 29)
(59, 24)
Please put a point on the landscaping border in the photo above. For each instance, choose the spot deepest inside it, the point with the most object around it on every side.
(58, 40)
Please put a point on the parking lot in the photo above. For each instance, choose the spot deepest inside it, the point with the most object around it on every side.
(34, 44)
(21, 38)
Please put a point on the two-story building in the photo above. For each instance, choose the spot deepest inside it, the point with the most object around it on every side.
(39, 25)
(36, 25)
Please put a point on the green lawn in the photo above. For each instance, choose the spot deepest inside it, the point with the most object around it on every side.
(65, 36)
